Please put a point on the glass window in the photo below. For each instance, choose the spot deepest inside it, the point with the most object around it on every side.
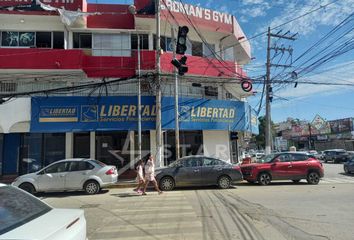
(80, 166)
(113, 148)
(43, 39)
(197, 49)
(208, 50)
(229, 54)
(53, 147)
(82, 40)
(26, 39)
(212, 162)
(9, 39)
(285, 158)
(144, 41)
(111, 45)
(299, 157)
(18, 208)
(58, 40)
(82, 145)
(192, 162)
(57, 168)
(30, 153)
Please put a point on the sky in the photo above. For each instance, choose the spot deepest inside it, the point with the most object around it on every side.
(328, 23)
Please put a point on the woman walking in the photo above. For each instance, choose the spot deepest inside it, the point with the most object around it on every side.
(150, 175)
(140, 177)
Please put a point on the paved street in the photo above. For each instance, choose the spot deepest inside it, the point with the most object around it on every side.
(282, 210)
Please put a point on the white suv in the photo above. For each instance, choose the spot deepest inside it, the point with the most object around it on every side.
(69, 175)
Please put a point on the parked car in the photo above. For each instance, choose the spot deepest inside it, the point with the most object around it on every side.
(198, 171)
(284, 166)
(23, 216)
(69, 175)
(336, 155)
(349, 166)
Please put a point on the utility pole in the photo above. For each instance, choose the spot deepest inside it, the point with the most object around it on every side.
(176, 96)
(159, 161)
(139, 100)
(269, 91)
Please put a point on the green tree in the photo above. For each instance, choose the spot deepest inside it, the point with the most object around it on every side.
(260, 138)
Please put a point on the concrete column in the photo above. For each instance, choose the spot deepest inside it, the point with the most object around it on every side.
(69, 145)
(151, 41)
(217, 144)
(70, 39)
(93, 145)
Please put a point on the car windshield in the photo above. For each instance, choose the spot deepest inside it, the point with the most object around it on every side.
(267, 158)
(18, 208)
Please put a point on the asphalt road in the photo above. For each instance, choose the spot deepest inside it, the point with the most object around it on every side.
(283, 210)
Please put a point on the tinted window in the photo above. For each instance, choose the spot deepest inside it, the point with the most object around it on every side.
(299, 157)
(212, 162)
(18, 208)
(80, 166)
(101, 164)
(285, 157)
(192, 162)
(57, 168)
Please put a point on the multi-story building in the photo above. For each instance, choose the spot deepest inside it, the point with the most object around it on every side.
(69, 85)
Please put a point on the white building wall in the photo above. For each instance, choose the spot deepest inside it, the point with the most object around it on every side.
(217, 144)
(15, 115)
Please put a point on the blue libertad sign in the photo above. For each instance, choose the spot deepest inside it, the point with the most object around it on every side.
(66, 114)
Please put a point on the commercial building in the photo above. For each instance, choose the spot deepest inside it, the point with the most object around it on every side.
(68, 83)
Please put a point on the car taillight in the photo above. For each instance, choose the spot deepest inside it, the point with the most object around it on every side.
(110, 171)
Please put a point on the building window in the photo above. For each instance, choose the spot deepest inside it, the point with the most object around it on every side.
(44, 40)
(229, 54)
(8, 87)
(33, 39)
(144, 41)
(58, 40)
(82, 145)
(208, 50)
(197, 49)
(191, 143)
(111, 45)
(30, 153)
(17, 39)
(82, 40)
(53, 147)
(113, 148)
(211, 91)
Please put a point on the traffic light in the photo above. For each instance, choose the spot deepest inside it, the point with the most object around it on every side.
(180, 65)
(270, 94)
(181, 47)
(234, 136)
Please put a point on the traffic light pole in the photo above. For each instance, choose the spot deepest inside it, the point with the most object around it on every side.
(176, 96)
(159, 161)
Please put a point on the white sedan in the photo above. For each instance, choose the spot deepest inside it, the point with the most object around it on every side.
(69, 175)
(23, 216)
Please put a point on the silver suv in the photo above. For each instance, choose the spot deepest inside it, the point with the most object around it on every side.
(69, 175)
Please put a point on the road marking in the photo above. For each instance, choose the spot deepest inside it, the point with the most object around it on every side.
(337, 180)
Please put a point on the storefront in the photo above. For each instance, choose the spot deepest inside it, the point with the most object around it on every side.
(105, 128)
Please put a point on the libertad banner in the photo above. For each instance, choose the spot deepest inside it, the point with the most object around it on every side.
(70, 114)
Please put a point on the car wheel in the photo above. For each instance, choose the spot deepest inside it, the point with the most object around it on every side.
(264, 179)
(296, 181)
(28, 187)
(224, 182)
(91, 187)
(167, 184)
(313, 178)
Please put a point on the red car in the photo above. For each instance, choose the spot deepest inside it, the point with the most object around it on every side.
(284, 166)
